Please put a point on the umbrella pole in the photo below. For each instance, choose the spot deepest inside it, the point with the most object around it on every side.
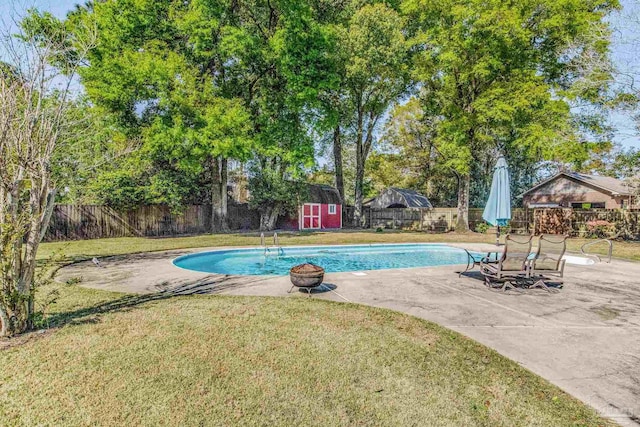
(498, 235)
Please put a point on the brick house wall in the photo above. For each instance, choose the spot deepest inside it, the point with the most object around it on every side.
(564, 191)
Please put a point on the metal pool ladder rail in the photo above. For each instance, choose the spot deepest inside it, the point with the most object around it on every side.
(276, 245)
(588, 244)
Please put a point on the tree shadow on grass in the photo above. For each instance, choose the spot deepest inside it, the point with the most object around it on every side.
(211, 285)
(92, 314)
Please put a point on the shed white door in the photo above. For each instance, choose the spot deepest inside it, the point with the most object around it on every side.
(311, 216)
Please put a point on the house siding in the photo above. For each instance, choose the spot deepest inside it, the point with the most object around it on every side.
(564, 191)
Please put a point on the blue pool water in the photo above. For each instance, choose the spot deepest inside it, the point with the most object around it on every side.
(332, 258)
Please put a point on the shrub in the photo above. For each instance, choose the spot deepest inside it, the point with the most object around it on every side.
(482, 227)
(600, 228)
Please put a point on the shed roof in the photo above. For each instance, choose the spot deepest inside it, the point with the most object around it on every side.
(608, 184)
(401, 196)
(321, 193)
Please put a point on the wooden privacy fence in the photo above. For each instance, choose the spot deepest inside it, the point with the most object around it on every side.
(348, 213)
(552, 221)
(441, 219)
(521, 220)
(74, 222)
(438, 219)
(593, 223)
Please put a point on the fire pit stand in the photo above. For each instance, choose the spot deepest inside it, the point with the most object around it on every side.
(306, 276)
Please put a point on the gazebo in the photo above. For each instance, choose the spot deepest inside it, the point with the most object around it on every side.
(400, 198)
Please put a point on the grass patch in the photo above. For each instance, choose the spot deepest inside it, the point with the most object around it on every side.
(213, 360)
(220, 360)
(83, 249)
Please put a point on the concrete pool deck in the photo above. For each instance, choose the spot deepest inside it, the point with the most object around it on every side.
(585, 338)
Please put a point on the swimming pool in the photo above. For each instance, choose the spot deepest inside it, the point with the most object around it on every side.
(333, 259)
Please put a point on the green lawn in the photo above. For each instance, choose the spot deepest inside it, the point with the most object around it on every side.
(214, 360)
(117, 359)
(103, 247)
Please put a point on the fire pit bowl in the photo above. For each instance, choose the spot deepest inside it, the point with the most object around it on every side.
(306, 276)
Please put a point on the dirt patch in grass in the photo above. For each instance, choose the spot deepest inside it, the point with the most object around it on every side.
(255, 361)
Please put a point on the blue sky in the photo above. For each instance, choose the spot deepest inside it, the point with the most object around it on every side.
(625, 50)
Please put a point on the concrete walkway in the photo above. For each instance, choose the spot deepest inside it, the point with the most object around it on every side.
(585, 339)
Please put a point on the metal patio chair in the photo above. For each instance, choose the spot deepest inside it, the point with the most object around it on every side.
(548, 266)
(513, 265)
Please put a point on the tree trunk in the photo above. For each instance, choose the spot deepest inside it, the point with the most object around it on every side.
(224, 195)
(359, 196)
(215, 195)
(34, 121)
(462, 225)
(4, 322)
(17, 309)
(357, 209)
(275, 213)
(264, 219)
(337, 161)
(268, 218)
(219, 178)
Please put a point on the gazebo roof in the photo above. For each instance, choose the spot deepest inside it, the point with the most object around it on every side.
(401, 197)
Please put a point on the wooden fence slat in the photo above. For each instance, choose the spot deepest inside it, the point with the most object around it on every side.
(600, 223)
(74, 222)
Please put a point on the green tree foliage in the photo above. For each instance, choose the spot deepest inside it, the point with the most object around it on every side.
(408, 157)
(95, 145)
(201, 82)
(626, 164)
(376, 76)
(618, 163)
(156, 69)
(272, 195)
(194, 84)
(501, 75)
(280, 67)
(197, 83)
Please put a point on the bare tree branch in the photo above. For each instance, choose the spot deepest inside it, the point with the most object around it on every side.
(36, 93)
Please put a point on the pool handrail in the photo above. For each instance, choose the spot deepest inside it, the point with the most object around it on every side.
(609, 254)
(276, 245)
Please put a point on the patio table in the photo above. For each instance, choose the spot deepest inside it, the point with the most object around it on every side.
(473, 260)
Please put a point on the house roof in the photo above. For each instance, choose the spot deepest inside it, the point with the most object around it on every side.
(611, 185)
(396, 196)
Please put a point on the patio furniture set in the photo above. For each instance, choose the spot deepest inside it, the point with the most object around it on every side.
(518, 267)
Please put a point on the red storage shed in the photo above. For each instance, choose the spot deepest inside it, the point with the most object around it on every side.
(322, 209)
